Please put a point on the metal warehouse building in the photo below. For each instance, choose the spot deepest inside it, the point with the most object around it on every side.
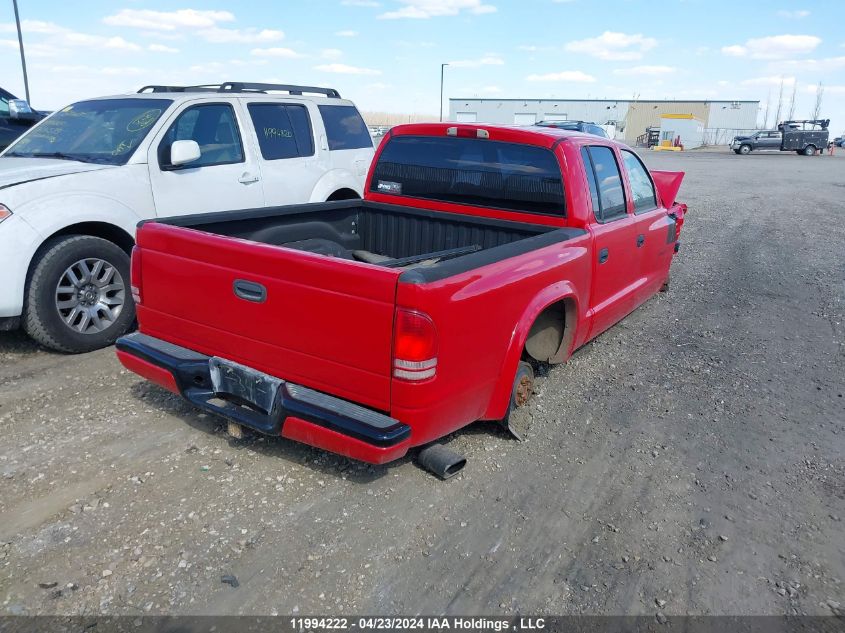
(722, 119)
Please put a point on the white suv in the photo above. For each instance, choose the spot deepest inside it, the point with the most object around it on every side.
(74, 187)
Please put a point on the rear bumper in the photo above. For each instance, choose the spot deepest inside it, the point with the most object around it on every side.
(298, 413)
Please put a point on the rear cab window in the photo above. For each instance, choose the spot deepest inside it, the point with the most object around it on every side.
(345, 129)
(477, 172)
(605, 183)
(283, 130)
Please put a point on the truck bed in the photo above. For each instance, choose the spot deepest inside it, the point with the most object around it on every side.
(434, 244)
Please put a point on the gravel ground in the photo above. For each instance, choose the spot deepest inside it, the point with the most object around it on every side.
(690, 460)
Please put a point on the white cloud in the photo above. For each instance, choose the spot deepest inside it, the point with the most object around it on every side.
(360, 3)
(287, 53)
(532, 48)
(424, 9)
(487, 60)
(835, 90)
(614, 46)
(774, 47)
(344, 69)
(60, 38)
(346, 33)
(824, 65)
(645, 70)
(793, 15)
(575, 76)
(773, 80)
(36, 49)
(206, 24)
(491, 90)
(240, 36)
(161, 48)
(331, 53)
(168, 20)
(33, 26)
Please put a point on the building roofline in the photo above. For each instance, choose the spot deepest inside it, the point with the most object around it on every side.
(611, 100)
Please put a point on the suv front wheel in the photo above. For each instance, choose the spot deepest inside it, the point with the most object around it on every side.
(744, 149)
(77, 295)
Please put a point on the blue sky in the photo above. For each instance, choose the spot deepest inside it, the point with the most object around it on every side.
(386, 54)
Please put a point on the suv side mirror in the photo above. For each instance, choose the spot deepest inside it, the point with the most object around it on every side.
(19, 109)
(184, 152)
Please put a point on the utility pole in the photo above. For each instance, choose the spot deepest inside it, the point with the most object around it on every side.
(442, 69)
(20, 43)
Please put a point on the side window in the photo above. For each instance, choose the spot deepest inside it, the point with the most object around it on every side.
(4, 107)
(214, 128)
(284, 131)
(591, 179)
(345, 128)
(642, 189)
(608, 181)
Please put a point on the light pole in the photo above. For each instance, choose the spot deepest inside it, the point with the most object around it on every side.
(20, 43)
(442, 68)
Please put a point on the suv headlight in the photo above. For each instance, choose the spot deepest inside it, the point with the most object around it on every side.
(4, 212)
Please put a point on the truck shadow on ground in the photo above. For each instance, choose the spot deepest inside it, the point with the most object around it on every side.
(324, 462)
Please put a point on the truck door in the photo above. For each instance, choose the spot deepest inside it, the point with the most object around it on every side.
(654, 247)
(615, 273)
(769, 140)
(224, 177)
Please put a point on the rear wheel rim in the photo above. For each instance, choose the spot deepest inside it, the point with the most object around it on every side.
(90, 295)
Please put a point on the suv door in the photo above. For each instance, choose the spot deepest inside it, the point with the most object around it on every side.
(614, 240)
(224, 177)
(290, 165)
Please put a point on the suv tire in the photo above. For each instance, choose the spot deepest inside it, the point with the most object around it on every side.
(77, 294)
(745, 149)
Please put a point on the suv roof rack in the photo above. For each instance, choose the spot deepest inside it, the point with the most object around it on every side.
(240, 86)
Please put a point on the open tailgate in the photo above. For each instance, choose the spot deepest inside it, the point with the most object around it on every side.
(323, 322)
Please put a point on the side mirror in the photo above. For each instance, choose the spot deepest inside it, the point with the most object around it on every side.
(19, 109)
(184, 152)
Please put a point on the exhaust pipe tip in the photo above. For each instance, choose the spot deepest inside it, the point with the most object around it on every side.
(441, 461)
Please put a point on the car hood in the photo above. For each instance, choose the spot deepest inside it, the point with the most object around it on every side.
(742, 138)
(16, 171)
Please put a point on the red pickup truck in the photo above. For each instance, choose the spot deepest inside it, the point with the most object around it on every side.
(367, 327)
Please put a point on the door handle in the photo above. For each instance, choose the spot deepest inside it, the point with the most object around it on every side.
(249, 290)
(640, 240)
(248, 178)
(603, 255)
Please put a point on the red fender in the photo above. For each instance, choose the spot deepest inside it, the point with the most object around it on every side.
(498, 406)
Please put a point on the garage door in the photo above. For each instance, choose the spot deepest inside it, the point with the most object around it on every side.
(525, 118)
(466, 117)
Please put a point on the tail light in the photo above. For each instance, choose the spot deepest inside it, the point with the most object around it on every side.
(414, 346)
(135, 274)
(679, 219)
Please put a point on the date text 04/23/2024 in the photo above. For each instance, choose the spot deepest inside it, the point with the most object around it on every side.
(418, 623)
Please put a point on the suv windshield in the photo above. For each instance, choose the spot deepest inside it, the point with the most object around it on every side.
(103, 131)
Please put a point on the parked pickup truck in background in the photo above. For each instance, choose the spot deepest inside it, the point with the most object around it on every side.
(369, 327)
(74, 187)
